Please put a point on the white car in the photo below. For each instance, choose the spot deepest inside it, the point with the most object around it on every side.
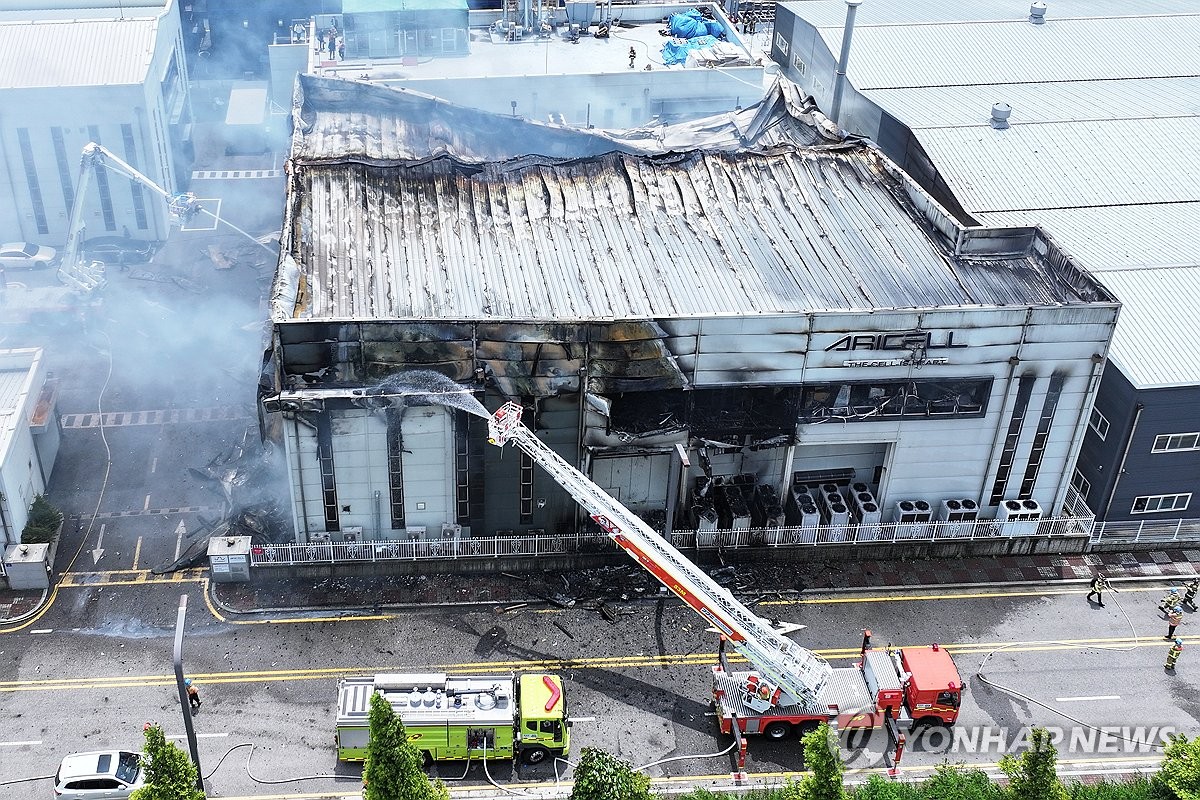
(14, 255)
(103, 774)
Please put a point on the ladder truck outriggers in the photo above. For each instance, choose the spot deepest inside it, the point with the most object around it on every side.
(787, 687)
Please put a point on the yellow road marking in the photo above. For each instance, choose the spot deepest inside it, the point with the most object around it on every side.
(530, 665)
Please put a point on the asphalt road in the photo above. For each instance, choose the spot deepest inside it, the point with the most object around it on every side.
(97, 665)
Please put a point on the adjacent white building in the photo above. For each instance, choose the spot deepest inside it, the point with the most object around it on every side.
(29, 437)
(77, 72)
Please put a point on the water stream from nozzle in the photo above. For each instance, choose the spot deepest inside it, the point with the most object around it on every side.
(428, 385)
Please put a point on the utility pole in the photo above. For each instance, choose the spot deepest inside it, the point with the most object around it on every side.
(184, 706)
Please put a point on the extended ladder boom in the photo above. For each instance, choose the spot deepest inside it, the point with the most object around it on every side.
(799, 673)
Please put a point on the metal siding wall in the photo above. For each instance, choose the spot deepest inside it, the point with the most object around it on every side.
(360, 465)
(1166, 411)
(640, 482)
(428, 468)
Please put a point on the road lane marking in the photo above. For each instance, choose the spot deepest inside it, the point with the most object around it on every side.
(1086, 699)
(29, 743)
(137, 552)
(154, 465)
(146, 505)
(43, 630)
(481, 668)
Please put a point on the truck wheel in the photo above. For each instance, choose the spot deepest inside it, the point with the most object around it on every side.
(929, 722)
(777, 730)
(805, 728)
(534, 755)
(426, 759)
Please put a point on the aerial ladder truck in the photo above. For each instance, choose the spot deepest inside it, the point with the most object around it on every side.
(88, 277)
(787, 687)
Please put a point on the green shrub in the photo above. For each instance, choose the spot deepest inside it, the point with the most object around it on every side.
(602, 776)
(1179, 776)
(1133, 789)
(880, 788)
(43, 522)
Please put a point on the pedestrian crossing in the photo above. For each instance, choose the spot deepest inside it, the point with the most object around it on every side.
(235, 174)
(150, 512)
(120, 419)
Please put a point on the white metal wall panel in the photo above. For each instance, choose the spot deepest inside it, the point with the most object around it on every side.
(360, 467)
(640, 482)
(306, 479)
(428, 468)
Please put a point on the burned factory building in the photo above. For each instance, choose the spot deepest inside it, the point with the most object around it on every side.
(703, 317)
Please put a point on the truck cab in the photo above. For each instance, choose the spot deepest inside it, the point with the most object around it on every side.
(544, 727)
(933, 691)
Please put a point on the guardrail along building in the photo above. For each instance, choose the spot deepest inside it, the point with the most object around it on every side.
(702, 330)
(1059, 125)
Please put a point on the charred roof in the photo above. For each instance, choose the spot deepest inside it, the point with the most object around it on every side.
(404, 207)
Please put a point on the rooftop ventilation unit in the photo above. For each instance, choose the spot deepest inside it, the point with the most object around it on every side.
(1000, 114)
(1037, 13)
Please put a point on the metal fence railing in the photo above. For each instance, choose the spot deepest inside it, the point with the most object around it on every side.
(1183, 531)
(536, 545)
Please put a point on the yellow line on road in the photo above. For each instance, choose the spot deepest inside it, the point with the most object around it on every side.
(494, 667)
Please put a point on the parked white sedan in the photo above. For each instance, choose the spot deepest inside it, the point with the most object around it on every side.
(18, 255)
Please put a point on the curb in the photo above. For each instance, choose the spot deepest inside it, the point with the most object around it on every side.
(783, 594)
(41, 603)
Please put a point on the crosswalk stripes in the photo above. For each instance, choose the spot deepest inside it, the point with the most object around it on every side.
(172, 416)
(150, 512)
(235, 174)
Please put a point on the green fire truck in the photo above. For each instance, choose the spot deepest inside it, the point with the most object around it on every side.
(460, 719)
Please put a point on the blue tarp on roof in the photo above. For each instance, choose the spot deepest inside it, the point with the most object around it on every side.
(691, 24)
(369, 6)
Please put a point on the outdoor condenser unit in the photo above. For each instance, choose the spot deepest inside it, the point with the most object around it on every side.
(1020, 517)
(912, 518)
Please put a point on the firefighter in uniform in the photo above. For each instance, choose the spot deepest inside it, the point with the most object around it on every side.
(1189, 596)
(1097, 586)
(1174, 617)
(1169, 601)
(1173, 653)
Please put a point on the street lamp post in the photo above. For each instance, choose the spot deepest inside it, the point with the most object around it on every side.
(183, 698)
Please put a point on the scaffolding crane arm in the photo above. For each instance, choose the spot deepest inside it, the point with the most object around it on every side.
(88, 277)
(796, 674)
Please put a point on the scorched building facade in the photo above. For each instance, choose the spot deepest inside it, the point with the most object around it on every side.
(762, 307)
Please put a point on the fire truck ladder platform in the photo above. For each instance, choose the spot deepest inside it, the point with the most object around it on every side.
(799, 672)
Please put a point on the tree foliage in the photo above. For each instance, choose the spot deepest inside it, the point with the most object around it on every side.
(823, 761)
(1034, 774)
(43, 522)
(1179, 776)
(170, 773)
(602, 776)
(956, 782)
(393, 766)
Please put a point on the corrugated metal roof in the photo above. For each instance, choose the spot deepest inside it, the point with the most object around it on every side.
(85, 52)
(1119, 237)
(622, 236)
(1068, 164)
(1155, 343)
(825, 13)
(893, 56)
(957, 106)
